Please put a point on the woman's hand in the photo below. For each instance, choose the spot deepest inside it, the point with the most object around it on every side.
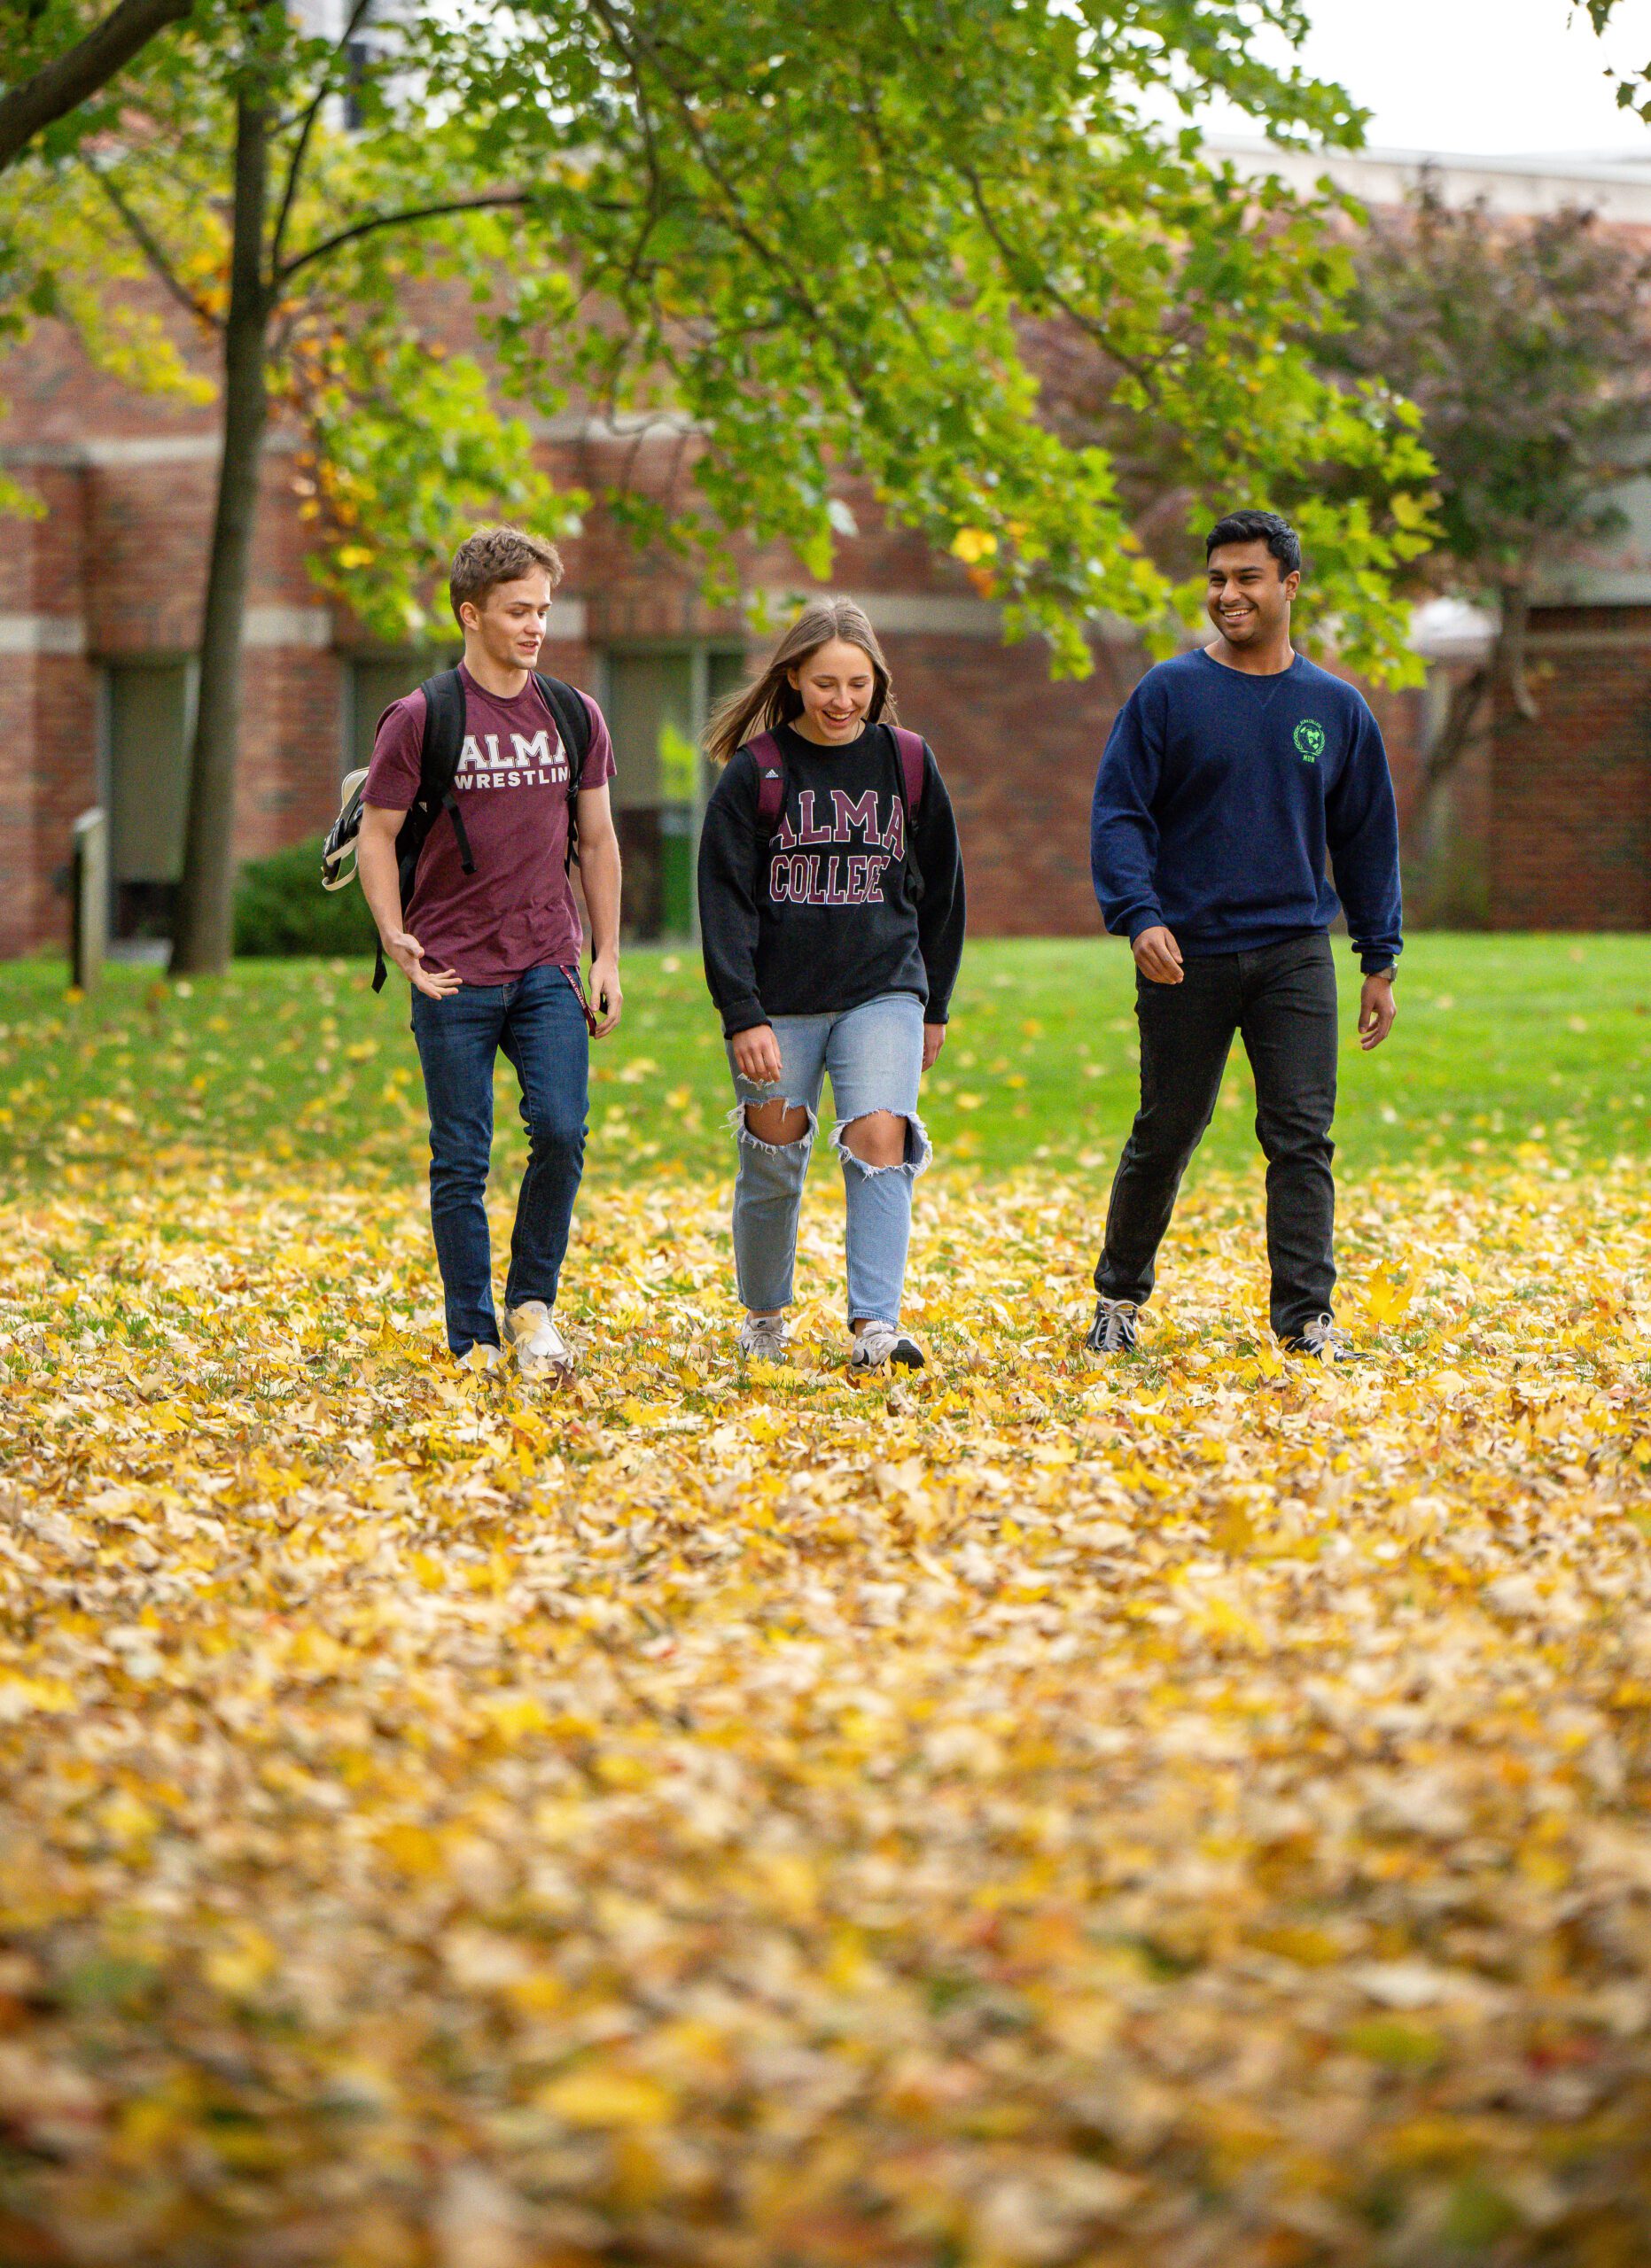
(933, 1041)
(757, 1055)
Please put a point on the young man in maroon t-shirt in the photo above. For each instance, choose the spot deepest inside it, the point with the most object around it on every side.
(493, 955)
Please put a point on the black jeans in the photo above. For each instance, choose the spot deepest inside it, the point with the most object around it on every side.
(1282, 1000)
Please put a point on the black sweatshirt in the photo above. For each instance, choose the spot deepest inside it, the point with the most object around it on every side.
(820, 916)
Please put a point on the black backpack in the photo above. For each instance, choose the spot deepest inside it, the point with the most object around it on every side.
(438, 756)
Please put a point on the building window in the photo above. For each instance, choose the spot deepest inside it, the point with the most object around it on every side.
(375, 682)
(149, 718)
(657, 699)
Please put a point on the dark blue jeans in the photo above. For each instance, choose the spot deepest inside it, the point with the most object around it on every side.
(537, 1020)
(1280, 1001)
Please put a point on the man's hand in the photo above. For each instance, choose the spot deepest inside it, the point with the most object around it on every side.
(933, 1041)
(607, 999)
(409, 956)
(1157, 955)
(1376, 1011)
(757, 1055)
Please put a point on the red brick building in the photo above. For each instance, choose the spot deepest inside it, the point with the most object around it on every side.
(100, 604)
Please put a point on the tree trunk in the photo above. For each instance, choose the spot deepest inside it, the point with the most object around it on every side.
(201, 937)
(1511, 646)
(1422, 840)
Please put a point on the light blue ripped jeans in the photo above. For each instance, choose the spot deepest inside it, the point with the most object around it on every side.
(874, 1054)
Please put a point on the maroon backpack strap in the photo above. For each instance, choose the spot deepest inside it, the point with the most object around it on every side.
(770, 781)
(910, 746)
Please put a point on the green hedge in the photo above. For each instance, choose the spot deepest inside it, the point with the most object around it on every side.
(280, 908)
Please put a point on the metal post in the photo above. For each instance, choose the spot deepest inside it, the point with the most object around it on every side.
(88, 900)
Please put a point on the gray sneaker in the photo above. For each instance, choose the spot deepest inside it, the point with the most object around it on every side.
(1114, 1328)
(764, 1338)
(1326, 1341)
(540, 1350)
(884, 1342)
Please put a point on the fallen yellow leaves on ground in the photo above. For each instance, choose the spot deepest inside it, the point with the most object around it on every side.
(1192, 1814)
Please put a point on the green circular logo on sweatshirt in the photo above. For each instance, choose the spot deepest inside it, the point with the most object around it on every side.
(1309, 737)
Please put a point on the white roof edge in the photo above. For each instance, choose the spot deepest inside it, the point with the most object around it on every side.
(1607, 166)
(1617, 185)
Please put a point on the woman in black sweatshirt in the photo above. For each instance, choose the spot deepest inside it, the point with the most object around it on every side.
(831, 910)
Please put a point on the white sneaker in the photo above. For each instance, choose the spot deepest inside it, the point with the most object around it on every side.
(883, 1343)
(481, 1358)
(764, 1338)
(540, 1350)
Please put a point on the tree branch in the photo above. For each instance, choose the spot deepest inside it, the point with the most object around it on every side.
(151, 247)
(300, 148)
(504, 197)
(73, 78)
(1450, 743)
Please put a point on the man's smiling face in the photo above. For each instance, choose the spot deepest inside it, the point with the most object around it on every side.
(1247, 594)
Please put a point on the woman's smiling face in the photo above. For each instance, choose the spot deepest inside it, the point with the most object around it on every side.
(836, 684)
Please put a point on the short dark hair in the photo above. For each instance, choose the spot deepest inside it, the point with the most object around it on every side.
(494, 556)
(1260, 527)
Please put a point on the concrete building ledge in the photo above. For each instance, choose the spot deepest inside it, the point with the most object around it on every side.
(127, 452)
(568, 621)
(287, 626)
(919, 614)
(42, 634)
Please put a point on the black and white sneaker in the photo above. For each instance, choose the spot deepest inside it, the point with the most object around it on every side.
(884, 1342)
(1113, 1331)
(1326, 1341)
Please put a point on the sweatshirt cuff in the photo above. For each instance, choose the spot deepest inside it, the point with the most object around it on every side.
(743, 1015)
(1376, 960)
(1151, 917)
(937, 1012)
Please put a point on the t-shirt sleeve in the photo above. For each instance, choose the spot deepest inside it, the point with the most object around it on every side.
(397, 765)
(597, 768)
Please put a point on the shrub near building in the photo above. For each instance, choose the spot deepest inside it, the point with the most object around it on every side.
(280, 909)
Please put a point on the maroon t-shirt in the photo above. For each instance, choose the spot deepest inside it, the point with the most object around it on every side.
(516, 911)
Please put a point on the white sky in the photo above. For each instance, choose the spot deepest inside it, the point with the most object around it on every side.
(1486, 77)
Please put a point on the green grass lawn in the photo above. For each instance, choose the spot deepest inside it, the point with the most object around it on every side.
(1501, 1041)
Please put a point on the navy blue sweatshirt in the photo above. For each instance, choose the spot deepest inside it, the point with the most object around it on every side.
(1220, 795)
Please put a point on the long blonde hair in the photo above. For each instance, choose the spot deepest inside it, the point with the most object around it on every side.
(771, 699)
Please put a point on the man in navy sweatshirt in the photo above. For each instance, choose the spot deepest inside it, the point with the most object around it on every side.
(1229, 774)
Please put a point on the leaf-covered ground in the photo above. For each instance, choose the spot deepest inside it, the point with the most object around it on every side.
(1193, 1815)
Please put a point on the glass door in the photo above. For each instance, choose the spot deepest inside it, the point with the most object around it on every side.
(657, 698)
(149, 717)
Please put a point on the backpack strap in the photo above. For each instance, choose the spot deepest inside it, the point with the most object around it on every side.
(440, 748)
(571, 712)
(911, 769)
(770, 781)
(770, 763)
